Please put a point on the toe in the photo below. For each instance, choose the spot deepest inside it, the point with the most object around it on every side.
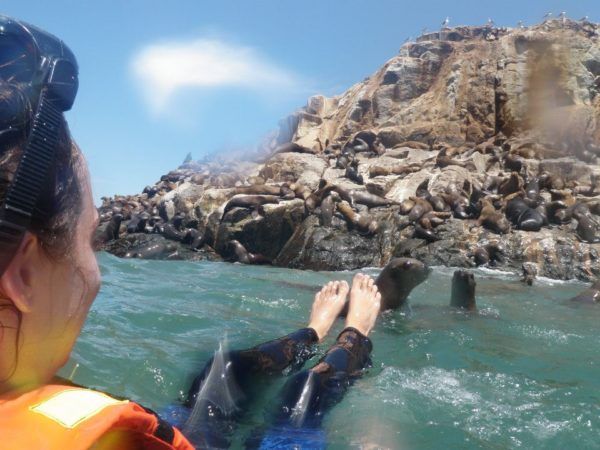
(369, 282)
(344, 288)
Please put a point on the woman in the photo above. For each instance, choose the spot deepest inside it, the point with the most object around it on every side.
(49, 279)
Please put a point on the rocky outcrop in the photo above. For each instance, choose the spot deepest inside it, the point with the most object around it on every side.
(473, 145)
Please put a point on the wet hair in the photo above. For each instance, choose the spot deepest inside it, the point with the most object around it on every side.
(59, 205)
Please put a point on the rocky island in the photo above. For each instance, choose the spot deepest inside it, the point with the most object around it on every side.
(472, 146)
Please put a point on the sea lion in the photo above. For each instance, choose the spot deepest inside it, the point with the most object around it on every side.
(586, 229)
(489, 253)
(530, 271)
(352, 173)
(422, 233)
(370, 200)
(458, 203)
(524, 217)
(194, 239)
(590, 295)
(327, 209)
(110, 231)
(512, 184)
(292, 147)
(249, 201)
(155, 250)
(260, 189)
(138, 223)
(406, 206)
(245, 257)
(172, 232)
(433, 219)
(397, 279)
(491, 219)
(421, 206)
(363, 223)
(463, 291)
(316, 197)
(376, 171)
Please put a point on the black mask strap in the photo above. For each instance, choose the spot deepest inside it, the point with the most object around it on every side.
(18, 209)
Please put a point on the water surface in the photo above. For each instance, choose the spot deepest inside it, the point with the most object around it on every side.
(522, 374)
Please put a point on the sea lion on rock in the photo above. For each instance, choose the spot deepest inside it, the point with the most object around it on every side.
(259, 189)
(514, 183)
(362, 222)
(524, 217)
(421, 207)
(155, 250)
(397, 279)
(590, 295)
(586, 229)
(245, 257)
(138, 223)
(489, 253)
(491, 219)
(111, 231)
(463, 291)
(249, 201)
(328, 208)
(370, 200)
(376, 171)
(292, 147)
(352, 173)
(427, 235)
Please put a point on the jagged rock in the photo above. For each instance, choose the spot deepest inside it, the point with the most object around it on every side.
(265, 233)
(502, 100)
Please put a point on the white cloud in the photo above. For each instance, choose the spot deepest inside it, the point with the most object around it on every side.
(164, 69)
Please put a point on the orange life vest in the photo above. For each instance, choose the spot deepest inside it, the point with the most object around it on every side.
(59, 417)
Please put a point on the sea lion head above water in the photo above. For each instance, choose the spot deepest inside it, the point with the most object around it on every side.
(463, 290)
(398, 278)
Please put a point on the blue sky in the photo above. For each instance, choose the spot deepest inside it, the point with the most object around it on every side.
(160, 79)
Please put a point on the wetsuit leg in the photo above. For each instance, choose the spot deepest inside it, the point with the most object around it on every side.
(308, 395)
(219, 392)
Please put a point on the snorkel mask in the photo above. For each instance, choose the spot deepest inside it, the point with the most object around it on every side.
(46, 70)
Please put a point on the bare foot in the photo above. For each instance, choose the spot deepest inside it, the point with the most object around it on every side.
(328, 303)
(365, 301)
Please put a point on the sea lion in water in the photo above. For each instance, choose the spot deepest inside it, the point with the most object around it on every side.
(529, 272)
(249, 201)
(363, 223)
(397, 279)
(463, 291)
(590, 295)
(245, 257)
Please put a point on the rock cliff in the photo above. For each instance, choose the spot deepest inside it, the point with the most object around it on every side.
(471, 146)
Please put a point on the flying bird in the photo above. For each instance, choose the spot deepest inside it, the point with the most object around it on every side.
(548, 15)
(445, 22)
(520, 24)
(490, 22)
(584, 19)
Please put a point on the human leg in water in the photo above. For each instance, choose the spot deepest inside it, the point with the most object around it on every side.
(219, 394)
(308, 395)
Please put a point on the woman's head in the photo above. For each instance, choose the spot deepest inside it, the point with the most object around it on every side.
(48, 287)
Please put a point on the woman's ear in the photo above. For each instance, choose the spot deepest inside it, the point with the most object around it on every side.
(18, 278)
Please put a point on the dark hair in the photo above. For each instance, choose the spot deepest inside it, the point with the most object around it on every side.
(59, 204)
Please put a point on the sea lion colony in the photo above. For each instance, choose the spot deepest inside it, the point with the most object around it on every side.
(376, 173)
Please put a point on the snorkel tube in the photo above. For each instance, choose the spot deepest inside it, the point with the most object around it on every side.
(44, 68)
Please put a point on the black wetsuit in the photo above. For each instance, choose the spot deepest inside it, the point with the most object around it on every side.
(224, 389)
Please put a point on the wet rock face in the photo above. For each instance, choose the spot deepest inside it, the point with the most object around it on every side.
(481, 143)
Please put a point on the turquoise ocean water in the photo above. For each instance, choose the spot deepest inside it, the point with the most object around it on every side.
(524, 373)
